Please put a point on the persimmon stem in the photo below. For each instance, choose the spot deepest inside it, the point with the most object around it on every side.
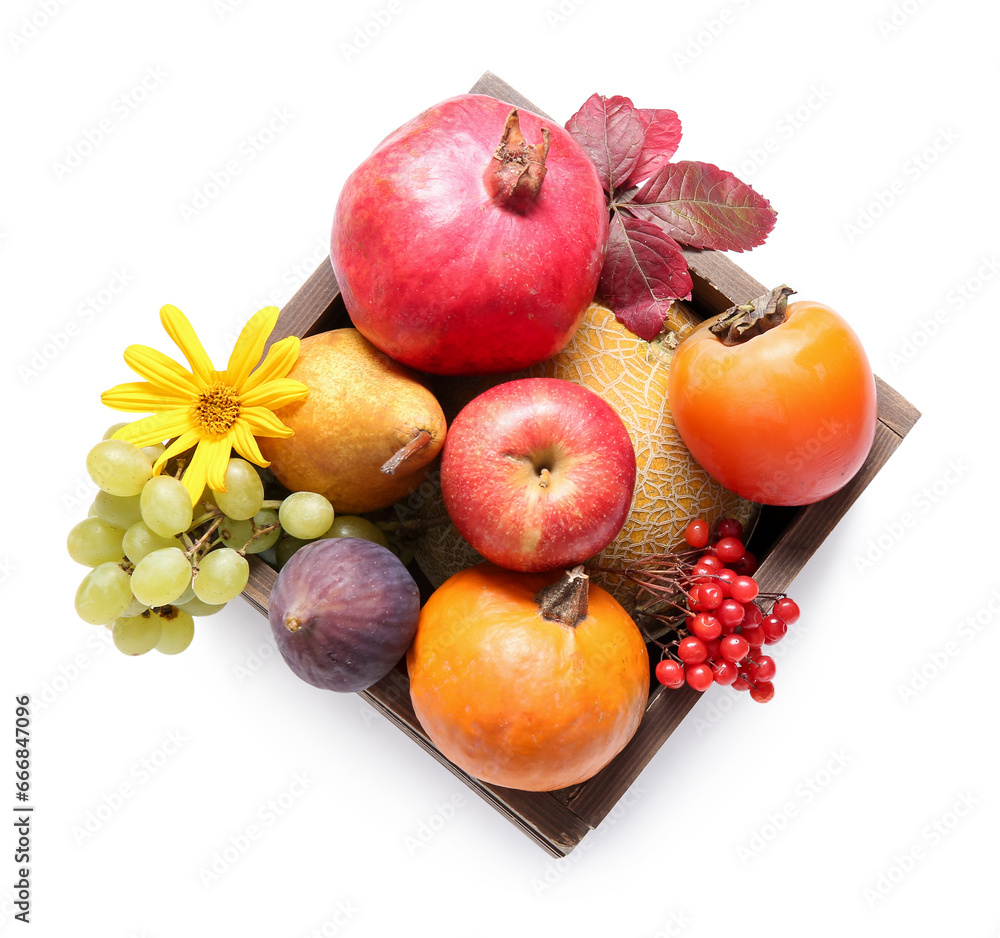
(740, 324)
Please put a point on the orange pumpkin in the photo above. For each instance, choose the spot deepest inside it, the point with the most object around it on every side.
(532, 681)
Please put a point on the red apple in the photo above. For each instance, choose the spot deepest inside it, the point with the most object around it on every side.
(538, 473)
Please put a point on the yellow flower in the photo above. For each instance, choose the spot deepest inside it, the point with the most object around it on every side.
(213, 411)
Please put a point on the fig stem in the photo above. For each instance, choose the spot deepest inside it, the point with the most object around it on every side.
(406, 452)
(292, 623)
(565, 601)
(515, 173)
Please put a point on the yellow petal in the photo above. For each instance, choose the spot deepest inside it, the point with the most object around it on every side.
(217, 451)
(250, 345)
(180, 330)
(162, 371)
(141, 396)
(196, 474)
(275, 393)
(279, 361)
(157, 428)
(245, 444)
(183, 443)
(261, 422)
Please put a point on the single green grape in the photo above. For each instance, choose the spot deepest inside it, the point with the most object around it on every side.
(196, 607)
(265, 518)
(104, 594)
(136, 635)
(118, 511)
(139, 540)
(119, 468)
(135, 608)
(161, 576)
(306, 515)
(235, 534)
(240, 534)
(244, 494)
(356, 526)
(154, 451)
(222, 574)
(285, 548)
(166, 506)
(93, 542)
(113, 429)
(177, 630)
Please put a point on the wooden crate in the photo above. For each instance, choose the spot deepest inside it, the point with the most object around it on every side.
(784, 539)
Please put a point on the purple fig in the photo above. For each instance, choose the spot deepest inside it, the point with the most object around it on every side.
(343, 612)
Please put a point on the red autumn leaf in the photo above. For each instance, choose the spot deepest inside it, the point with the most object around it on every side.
(612, 133)
(659, 143)
(703, 206)
(643, 271)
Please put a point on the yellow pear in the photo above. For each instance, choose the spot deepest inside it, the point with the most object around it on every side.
(367, 431)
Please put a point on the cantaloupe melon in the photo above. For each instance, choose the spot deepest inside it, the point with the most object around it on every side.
(671, 488)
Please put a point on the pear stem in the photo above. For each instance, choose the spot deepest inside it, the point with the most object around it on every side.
(406, 452)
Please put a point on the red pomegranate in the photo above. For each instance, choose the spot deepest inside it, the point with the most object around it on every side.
(471, 240)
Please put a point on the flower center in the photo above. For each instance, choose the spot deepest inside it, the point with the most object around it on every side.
(217, 408)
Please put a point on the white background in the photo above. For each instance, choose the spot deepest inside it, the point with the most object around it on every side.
(863, 800)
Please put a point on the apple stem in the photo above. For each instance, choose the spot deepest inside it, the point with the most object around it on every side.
(565, 601)
(543, 478)
(406, 452)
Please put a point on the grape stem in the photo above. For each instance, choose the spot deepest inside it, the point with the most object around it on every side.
(204, 539)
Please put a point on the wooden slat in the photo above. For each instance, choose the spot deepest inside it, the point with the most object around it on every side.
(558, 821)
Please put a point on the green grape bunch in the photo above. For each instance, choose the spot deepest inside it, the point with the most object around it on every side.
(157, 562)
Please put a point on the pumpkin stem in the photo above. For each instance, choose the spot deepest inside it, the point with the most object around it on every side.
(565, 601)
(514, 175)
(740, 324)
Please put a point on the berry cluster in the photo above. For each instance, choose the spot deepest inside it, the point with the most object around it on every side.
(714, 613)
